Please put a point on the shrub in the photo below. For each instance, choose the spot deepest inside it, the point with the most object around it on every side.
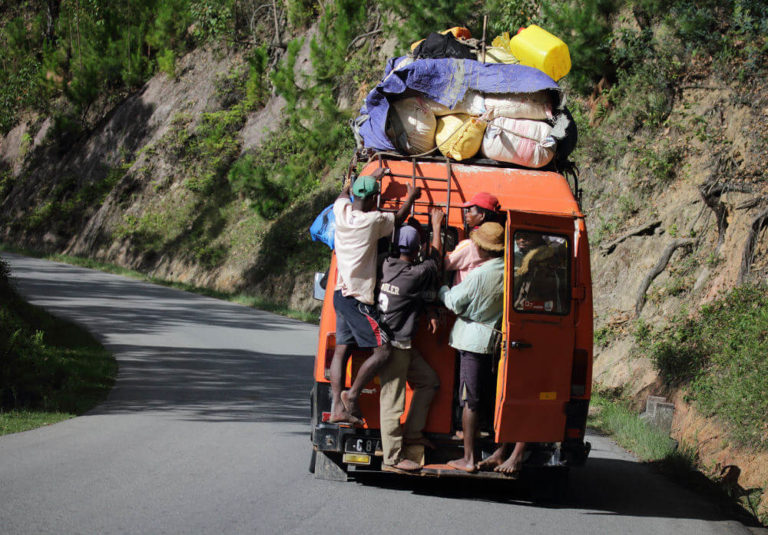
(46, 363)
(721, 356)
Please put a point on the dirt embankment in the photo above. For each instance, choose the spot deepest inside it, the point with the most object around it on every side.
(711, 158)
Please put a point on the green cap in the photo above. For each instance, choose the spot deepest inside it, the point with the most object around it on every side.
(365, 186)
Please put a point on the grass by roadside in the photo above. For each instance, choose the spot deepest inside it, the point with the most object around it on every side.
(250, 301)
(18, 421)
(50, 369)
(677, 461)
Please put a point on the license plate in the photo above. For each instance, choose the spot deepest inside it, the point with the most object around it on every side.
(362, 445)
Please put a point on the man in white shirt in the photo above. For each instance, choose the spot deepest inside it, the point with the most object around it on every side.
(359, 226)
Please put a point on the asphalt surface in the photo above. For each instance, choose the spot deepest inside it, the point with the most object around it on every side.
(206, 431)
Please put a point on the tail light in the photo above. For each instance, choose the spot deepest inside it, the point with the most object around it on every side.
(579, 372)
(330, 348)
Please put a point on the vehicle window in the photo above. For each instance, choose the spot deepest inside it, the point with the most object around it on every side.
(541, 276)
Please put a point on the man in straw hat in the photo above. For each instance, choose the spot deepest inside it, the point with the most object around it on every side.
(478, 303)
(359, 226)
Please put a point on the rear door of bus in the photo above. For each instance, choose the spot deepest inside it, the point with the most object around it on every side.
(534, 372)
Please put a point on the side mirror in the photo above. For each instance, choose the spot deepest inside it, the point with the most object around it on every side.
(321, 280)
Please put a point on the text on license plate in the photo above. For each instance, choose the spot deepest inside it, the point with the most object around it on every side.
(362, 445)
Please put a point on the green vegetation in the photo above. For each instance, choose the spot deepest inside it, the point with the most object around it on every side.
(612, 415)
(50, 369)
(615, 417)
(720, 356)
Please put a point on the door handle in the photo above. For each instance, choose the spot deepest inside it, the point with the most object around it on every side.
(514, 344)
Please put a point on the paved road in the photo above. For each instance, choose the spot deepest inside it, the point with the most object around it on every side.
(206, 432)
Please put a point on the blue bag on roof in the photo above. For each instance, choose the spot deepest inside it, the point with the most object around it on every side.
(324, 227)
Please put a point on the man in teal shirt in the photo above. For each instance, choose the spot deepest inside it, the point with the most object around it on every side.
(478, 304)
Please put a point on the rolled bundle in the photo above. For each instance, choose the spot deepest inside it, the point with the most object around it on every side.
(459, 136)
(412, 126)
(519, 141)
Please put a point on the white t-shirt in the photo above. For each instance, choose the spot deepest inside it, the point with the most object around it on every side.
(355, 244)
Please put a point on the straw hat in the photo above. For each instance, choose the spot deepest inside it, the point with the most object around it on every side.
(489, 236)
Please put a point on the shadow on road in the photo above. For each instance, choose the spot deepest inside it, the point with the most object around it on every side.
(179, 352)
(601, 487)
(222, 385)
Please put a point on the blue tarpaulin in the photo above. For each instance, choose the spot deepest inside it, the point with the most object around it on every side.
(445, 81)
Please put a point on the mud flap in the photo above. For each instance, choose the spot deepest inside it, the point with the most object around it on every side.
(328, 466)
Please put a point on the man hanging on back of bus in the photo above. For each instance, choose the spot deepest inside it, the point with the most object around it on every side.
(359, 226)
(482, 208)
(405, 288)
(478, 304)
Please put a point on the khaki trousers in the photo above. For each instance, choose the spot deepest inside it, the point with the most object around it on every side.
(405, 365)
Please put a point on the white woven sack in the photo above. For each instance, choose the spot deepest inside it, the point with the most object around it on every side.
(418, 122)
(473, 103)
(536, 106)
(435, 107)
(519, 141)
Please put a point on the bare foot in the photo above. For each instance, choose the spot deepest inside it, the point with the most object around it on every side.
(344, 417)
(350, 405)
(492, 461)
(510, 467)
(463, 465)
(421, 441)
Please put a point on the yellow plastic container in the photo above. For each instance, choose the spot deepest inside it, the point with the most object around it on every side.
(536, 47)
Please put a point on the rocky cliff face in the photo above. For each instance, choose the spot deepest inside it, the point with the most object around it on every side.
(136, 161)
(661, 253)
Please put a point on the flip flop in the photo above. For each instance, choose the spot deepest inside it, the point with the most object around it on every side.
(391, 468)
(394, 469)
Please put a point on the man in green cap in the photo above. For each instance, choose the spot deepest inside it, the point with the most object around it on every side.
(359, 226)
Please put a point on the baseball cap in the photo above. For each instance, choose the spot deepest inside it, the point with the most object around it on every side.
(483, 200)
(407, 239)
(365, 186)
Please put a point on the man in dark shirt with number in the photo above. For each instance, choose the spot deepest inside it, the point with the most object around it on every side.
(405, 286)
